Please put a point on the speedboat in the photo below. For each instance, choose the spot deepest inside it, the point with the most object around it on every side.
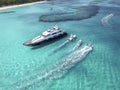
(46, 36)
(79, 43)
(88, 46)
(86, 49)
(72, 37)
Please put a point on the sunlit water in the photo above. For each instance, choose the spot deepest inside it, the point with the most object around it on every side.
(99, 70)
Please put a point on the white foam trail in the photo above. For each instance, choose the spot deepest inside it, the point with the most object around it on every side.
(62, 45)
(105, 20)
(58, 70)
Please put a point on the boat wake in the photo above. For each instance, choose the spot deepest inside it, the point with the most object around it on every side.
(62, 45)
(57, 71)
(71, 38)
(105, 20)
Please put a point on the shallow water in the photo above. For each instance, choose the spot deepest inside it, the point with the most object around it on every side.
(98, 71)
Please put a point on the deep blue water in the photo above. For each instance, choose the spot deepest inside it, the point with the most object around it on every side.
(21, 65)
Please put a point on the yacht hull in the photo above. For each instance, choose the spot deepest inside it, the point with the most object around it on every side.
(45, 41)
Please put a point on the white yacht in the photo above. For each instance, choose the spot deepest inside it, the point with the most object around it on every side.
(46, 35)
(72, 37)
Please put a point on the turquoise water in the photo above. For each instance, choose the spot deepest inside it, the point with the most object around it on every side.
(99, 70)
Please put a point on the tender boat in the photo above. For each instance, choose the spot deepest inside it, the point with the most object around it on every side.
(76, 46)
(79, 43)
(72, 37)
(47, 35)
